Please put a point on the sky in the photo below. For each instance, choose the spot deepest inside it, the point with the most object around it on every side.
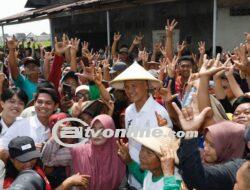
(11, 7)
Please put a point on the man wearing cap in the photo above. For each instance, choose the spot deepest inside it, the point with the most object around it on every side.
(82, 92)
(117, 69)
(28, 83)
(141, 114)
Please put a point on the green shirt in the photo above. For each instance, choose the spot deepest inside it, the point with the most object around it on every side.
(169, 182)
(26, 85)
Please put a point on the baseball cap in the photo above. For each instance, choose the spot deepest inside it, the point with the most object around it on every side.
(123, 50)
(30, 60)
(23, 149)
(82, 87)
(70, 74)
(119, 66)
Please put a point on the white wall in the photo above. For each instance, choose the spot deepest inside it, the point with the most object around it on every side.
(230, 29)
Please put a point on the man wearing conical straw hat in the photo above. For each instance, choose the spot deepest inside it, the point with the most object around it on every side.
(141, 114)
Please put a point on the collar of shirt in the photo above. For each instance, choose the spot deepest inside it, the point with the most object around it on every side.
(4, 127)
(147, 105)
(38, 123)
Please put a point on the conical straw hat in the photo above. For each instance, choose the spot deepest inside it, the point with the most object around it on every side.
(135, 72)
(154, 141)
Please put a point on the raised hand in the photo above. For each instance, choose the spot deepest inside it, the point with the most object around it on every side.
(247, 36)
(105, 63)
(167, 161)
(123, 151)
(181, 47)
(242, 52)
(171, 66)
(143, 56)
(77, 108)
(202, 47)
(117, 36)
(98, 76)
(171, 26)
(60, 47)
(190, 118)
(167, 94)
(48, 56)
(12, 43)
(163, 51)
(74, 45)
(138, 39)
(88, 73)
(157, 47)
(210, 67)
(111, 106)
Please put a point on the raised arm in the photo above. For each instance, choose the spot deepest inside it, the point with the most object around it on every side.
(137, 41)
(46, 66)
(12, 45)
(202, 50)
(73, 50)
(117, 37)
(55, 72)
(233, 83)
(208, 69)
(98, 81)
(169, 39)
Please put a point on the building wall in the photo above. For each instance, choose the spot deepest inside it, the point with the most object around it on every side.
(230, 29)
(195, 19)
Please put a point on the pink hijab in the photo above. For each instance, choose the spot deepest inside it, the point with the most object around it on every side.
(228, 139)
(100, 162)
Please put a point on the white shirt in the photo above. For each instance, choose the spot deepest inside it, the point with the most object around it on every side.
(5, 128)
(145, 118)
(148, 184)
(30, 127)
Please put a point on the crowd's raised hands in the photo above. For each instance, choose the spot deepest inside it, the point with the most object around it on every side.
(123, 151)
(190, 118)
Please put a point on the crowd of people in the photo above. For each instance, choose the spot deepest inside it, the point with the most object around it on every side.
(125, 87)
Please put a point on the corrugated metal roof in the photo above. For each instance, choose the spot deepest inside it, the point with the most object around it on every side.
(46, 12)
(42, 13)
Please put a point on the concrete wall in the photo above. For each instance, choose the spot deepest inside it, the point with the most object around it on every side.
(230, 29)
(194, 16)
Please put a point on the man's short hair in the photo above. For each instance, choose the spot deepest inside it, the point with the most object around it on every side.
(51, 92)
(10, 92)
(240, 100)
(186, 58)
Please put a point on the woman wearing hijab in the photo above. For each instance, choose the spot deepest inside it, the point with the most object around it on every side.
(99, 158)
(223, 142)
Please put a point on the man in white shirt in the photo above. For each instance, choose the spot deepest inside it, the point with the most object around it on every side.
(36, 127)
(141, 114)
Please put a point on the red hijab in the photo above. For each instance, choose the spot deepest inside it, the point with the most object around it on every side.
(228, 139)
(100, 162)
